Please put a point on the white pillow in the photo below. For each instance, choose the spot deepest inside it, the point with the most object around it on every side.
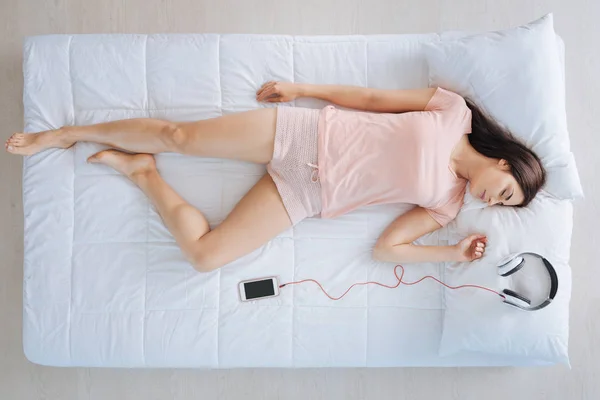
(477, 321)
(517, 77)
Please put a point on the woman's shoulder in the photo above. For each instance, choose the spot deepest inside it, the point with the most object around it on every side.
(444, 99)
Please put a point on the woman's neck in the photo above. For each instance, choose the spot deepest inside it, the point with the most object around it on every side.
(465, 159)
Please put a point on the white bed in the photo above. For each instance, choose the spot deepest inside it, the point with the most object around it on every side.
(104, 283)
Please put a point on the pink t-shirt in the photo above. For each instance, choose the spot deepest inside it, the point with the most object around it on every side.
(370, 158)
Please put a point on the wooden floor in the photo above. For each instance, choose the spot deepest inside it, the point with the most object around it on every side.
(576, 22)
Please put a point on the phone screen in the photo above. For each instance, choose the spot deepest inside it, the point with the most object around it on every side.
(257, 289)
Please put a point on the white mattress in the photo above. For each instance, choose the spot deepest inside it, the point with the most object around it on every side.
(105, 284)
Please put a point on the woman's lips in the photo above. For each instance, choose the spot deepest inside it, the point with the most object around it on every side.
(483, 195)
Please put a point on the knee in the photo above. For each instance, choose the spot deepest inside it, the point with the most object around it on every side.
(174, 136)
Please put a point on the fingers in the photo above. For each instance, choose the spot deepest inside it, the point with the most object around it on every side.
(477, 238)
(268, 93)
(264, 87)
(262, 90)
(479, 249)
(479, 246)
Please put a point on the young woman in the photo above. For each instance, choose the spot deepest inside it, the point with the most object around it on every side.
(412, 146)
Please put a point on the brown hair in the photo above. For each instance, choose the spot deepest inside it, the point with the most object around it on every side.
(492, 140)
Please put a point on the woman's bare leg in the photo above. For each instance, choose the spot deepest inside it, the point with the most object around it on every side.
(256, 219)
(246, 136)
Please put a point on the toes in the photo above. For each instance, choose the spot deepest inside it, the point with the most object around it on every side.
(15, 150)
(15, 140)
(10, 146)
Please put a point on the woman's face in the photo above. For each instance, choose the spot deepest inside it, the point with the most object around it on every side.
(494, 184)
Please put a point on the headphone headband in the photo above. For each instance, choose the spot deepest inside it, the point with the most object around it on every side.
(514, 299)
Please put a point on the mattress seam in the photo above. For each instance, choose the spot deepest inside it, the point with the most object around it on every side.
(366, 349)
(188, 175)
(221, 203)
(146, 75)
(293, 236)
(145, 109)
(69, 47)
(257, 306)
(147, 216)
(293, 336)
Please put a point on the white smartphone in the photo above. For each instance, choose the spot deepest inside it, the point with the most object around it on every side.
(261, 288)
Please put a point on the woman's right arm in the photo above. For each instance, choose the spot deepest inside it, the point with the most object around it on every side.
(356, 97)
(395, 244)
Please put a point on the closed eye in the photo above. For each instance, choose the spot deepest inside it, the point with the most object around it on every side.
(502, 195)
(508, 198)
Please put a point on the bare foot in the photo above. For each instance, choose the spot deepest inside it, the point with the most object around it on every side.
(26, 144)
(133, 166)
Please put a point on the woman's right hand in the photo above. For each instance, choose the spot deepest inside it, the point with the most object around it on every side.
(471, 248)
(278, 92)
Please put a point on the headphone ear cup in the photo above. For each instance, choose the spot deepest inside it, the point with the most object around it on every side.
(516, 298)
(511, 266)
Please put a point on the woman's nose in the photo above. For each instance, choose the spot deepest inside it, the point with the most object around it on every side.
(492, 201)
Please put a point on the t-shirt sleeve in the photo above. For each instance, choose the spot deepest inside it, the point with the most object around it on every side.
(452, 106)
(447, 212)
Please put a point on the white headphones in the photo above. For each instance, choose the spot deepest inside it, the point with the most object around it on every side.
(513, 265)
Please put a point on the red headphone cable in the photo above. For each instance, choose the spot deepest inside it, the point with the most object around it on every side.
(400, 282)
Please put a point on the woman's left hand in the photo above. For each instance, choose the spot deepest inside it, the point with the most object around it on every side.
(471, 248)
(278, 92)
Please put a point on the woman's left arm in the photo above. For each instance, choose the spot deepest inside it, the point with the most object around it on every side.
(359, 98)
